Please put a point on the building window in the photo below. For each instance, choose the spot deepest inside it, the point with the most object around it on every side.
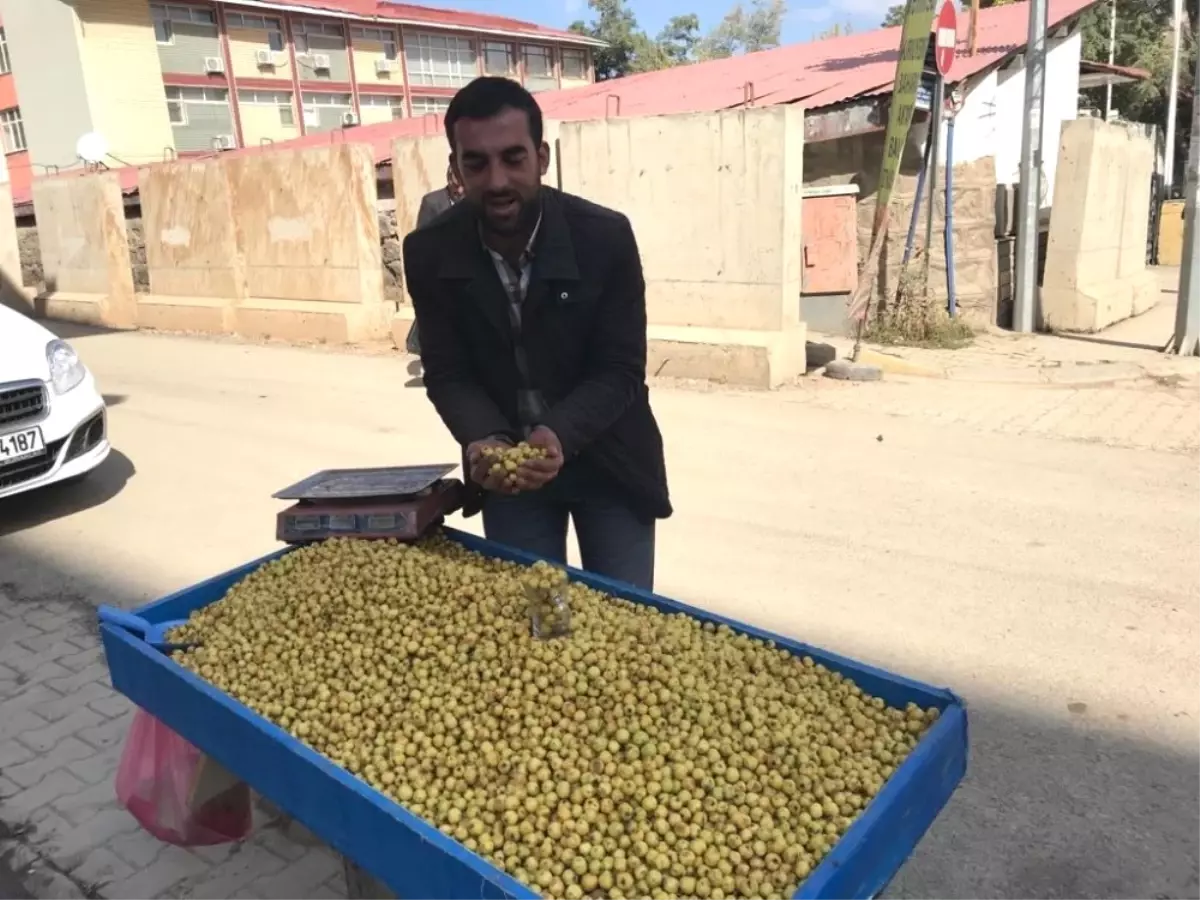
(538, 61)
(178, 99)
(394, 101)
(425, 106)
(441, 61)
(5, 64)
(273, 27)
(281, 100)
(165, 16)
(311, 101)
(14, 130)
(305, 30)
(385, 37)
(498, 58)
(574, 64)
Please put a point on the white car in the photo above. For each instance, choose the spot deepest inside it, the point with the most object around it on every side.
(52, 417)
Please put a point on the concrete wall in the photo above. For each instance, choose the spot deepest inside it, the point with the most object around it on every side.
(84, 249)
(715, 201)
(1096, 270)
(190, 245)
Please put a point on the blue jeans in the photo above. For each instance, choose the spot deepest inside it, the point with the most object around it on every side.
(613, 540)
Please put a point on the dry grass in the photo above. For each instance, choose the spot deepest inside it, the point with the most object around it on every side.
(914, 319)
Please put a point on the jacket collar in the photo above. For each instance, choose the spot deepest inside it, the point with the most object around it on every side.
(464, 256)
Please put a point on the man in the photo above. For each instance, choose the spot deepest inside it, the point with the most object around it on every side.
(532, 308)
(437, 202)
(433, 205)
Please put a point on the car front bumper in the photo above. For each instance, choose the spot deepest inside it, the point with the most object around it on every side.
(75, 431)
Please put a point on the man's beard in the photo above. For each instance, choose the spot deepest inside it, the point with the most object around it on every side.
(524, 220)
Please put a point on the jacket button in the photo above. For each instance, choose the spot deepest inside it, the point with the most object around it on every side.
(562, 296)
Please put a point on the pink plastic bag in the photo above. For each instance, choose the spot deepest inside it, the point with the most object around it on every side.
(160, 781)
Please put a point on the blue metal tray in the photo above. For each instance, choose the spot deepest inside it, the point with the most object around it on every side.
(415, 859)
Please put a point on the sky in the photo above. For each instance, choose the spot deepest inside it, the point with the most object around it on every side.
(806, 18)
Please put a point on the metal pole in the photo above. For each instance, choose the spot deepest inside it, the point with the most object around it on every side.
(1173, 99)
(935, 129)
(1025, 297)
(1112, 51)
(1186, 341)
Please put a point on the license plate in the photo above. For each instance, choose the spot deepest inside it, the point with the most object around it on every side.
(21, 444)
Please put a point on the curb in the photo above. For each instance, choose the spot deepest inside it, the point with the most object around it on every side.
(898, 365)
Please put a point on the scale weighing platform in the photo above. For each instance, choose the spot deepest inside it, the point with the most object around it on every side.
(400, 502)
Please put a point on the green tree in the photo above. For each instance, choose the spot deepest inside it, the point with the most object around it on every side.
(895, 14)
(1144, 41)
(745, 30)
(835, 30)
(679, 38)
(616, 25)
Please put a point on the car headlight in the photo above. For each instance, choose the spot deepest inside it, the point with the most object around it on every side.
(66, 370)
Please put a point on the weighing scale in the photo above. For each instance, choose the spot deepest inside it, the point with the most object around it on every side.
(401, 502)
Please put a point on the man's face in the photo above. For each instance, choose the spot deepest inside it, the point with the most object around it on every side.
(500, 169)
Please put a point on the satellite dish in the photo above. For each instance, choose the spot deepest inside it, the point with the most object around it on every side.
(92, 147)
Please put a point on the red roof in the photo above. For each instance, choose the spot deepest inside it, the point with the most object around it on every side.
(452, 18)
(817, 74)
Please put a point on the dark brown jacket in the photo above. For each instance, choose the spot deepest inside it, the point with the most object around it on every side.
(583, 329)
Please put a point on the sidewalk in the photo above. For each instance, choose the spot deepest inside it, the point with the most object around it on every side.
(1127, 351)
(64, 834)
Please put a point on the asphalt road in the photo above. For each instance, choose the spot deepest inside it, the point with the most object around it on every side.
(1050, 582)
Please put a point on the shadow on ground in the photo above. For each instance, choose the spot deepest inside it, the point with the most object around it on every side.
(1057, 802)
(58, 501)
(414, 369)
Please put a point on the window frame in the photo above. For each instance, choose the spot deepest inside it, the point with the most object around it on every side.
(385, 36)
(310, 100)
(12, 131)
(441, 104)
(5, 61)
(422, 71)
(510, 57)
(394, 102)
(566, 53)
(281, 100)
(175, 101)
(540, 49)
(163, 15)
(181, 96)
(272, 25)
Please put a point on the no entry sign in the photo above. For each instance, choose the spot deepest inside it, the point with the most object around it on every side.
(946, 37)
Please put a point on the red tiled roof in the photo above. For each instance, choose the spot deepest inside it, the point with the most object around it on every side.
(817, 74)
(382, 9)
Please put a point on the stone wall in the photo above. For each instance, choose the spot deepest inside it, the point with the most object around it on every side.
(137, 255)
(857, 160)
(391, 241)
(31, 256)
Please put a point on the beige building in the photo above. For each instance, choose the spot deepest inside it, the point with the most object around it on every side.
(165, 79)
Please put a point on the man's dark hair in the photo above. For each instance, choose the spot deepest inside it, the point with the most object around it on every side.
(486, 97)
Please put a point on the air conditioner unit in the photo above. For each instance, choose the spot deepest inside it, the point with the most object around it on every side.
(264, 57)
(224, 142)
(383, 66)
(320, 60)
(349, 118)
(214, 65)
